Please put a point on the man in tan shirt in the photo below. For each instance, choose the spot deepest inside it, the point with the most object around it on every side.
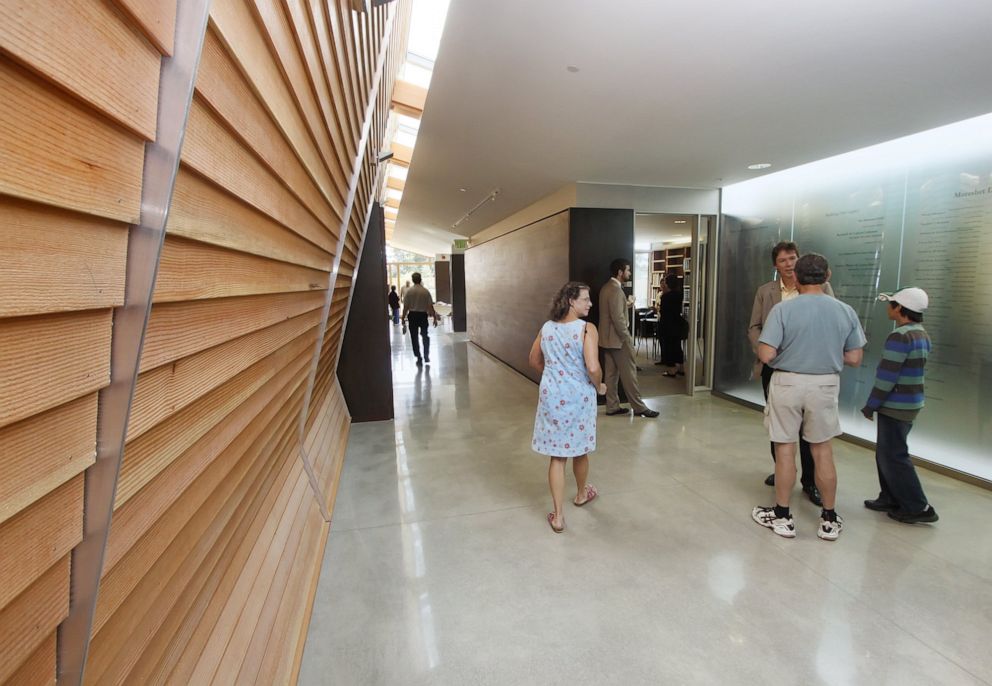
(417, 305)
(784, 257)
(618, 344)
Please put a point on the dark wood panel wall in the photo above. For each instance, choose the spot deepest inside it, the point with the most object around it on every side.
(216, 535)
(365, 371)
(459, 319)
(597, 237)
(509, 284)
(511, 280)
(442, 279)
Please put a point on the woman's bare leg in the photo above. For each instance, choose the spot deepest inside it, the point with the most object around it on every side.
(580, 468)
(556, 479)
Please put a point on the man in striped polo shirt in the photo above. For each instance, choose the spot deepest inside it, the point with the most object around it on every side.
(897, 397)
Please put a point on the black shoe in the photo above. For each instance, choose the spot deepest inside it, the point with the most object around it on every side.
(420, 362)
(427, 359)
(813, 493)
(622, 410)
(770, 479)
(647, 413)
(880, 505)
(928, 516)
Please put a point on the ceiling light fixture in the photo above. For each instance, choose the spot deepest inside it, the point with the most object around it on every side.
(680, 221)
(462, 189)
(491, 196)
(759, 165)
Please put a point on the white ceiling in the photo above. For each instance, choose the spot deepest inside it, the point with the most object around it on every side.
(675, 94)
(659, 228)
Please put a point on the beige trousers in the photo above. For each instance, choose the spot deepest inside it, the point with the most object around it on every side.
(620, 366)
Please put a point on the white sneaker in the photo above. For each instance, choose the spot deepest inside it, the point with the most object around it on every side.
(783, 526)
(829, 531)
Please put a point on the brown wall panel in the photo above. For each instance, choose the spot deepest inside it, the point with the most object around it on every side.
(87, 49)
(58, 153)
(51, 359)
(509, 284)
(216, 537)
(58, 261)
(42, 452)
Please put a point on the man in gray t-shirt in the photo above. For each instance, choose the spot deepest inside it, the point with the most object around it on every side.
(807, 340)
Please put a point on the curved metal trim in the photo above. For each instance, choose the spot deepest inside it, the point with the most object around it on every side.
(176, 82)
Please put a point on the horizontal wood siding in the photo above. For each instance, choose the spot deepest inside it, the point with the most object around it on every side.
(216, 537)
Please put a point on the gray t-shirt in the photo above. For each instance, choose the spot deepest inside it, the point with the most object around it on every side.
(417, 299)
(811, 333)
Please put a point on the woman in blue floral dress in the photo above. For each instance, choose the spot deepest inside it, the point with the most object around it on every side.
(566, 352)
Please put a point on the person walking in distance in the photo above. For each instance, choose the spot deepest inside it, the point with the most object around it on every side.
(417, 306)
(807, 341)
(394, 304)
(897, 397)
(618, 344)
(785, 288)
(566, 354)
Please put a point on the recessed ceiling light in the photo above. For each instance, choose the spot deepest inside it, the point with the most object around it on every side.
(680, 221)
(759, 165)
(572, 68)
(462, 189)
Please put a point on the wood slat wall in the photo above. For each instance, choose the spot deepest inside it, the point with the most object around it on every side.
(216, 537)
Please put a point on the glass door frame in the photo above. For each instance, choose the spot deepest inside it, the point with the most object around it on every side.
(702, 310)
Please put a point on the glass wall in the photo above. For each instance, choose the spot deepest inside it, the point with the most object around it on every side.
(642, 272)
(912, 212)
(401, 264)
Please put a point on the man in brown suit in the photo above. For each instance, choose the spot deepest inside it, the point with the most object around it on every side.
(618, 344)
(784, 257)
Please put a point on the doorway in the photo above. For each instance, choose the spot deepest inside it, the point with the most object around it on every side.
(663, 247)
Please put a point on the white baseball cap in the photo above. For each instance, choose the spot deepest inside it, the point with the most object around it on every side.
(912, 298)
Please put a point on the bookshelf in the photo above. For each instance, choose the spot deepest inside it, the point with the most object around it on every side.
(677, 261)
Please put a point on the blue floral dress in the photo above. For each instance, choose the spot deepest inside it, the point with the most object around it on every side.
(565, 425)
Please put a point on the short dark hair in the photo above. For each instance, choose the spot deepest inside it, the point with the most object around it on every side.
(911, 315)
(672, 281)
(812, 269)
(783, 246)
(392, 288)
(618, 265)
(416, 277)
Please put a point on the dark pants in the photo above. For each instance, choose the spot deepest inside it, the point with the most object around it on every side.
(418, 320)
(805, 453)
(896, 474)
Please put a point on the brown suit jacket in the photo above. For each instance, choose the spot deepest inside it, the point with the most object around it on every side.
(613, 329)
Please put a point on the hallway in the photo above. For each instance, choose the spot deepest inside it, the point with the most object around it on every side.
(441, 569)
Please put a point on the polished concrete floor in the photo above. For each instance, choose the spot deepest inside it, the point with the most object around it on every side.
(441, 569)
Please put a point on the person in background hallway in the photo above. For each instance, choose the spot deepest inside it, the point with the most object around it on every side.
(618, 344)
(403, 289)
(670, 323)
(394, 304)
(898, 397)
(784, 256)
(807, 341)
(417, 306)
(566, 354)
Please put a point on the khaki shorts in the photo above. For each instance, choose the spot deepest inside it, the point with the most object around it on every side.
(806, 402)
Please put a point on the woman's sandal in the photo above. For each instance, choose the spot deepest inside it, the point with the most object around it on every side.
(591, 494)
(551, 523)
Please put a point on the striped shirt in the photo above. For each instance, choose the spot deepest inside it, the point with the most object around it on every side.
(898, 390)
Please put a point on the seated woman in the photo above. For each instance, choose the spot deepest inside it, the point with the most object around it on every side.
(670, 326)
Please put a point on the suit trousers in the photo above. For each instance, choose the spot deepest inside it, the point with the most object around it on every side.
(620, 367)
(805, 452)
